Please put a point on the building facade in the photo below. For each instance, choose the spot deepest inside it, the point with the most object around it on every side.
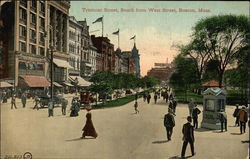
(105, 58)
(86, 67)
(92, 57)
(161, 71)
(136, 55)
(74, 46)
(30, 29)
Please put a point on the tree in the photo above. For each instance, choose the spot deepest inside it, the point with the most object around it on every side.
(223, 36)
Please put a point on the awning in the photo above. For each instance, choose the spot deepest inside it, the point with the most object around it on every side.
(81, 82)
(5, 84)
(36, 81)
(57, 84)
(62, 63)
(68, 84)
(88, 64)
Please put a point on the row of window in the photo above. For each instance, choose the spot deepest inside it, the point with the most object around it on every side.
(33, 4)
(23, 16)
(23, 33)
(73, 36)
(74, 49)
(74, 63)
(22, 47)
(30, 66)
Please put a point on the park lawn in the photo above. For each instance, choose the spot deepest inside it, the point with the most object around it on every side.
(115, 103)
(120, 101)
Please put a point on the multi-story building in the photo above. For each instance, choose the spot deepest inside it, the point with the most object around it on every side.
(162, 71)
(105, 59)
(86, 67)
(118, 60)
(127, 62)
(136, 56)
(92, 57)
(74, 46)
(31, 29)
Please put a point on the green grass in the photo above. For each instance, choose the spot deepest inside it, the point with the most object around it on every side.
(116, 102)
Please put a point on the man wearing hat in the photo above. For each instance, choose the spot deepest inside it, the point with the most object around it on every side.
(169, 123)
(243, 117)
(236, 115)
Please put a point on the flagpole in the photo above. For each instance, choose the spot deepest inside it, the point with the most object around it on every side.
(102, 25)
(119, 38)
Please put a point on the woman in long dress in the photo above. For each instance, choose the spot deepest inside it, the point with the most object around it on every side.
(89, 129)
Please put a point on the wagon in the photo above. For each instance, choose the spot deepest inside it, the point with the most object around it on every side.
(44, 100)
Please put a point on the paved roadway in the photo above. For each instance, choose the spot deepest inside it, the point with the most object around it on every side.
(122, 134)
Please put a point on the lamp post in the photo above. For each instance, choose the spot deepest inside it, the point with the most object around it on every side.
(51, 63)
(51, 48)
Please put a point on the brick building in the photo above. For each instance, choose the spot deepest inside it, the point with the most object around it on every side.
(105, 59)
(163, 73)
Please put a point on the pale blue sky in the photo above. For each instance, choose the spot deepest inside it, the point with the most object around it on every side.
(155, 32)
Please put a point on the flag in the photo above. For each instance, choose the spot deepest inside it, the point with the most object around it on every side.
(132, 38)
(117, 32)
(98, 20)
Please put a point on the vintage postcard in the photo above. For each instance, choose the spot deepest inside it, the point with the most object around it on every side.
(124, 79)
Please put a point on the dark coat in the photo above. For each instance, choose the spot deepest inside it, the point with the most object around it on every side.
(188, 132)
(88, 129)
(196, 112)
(169, 120)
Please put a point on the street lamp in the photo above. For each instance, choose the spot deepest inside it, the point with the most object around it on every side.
(51, 60)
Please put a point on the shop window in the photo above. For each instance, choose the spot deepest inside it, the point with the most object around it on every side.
(22, 65)
(40, 67)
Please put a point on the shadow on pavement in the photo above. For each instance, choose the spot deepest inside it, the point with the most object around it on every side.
(160, 142)
(245, 141)
(176, 157)
(235, 133)
(201, 130)
(77, 139)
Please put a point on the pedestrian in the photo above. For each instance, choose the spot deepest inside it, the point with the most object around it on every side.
(144, 97)
(174, 105)
(195, 113)
(148, 98)
(223, 120)
(169, 123)
(136, 96)
(155, 97)
(166, 96)
(75, 108)
(36, 100)
(13, 102)
(191, 105)
(243, 117)
(136, 107)
(237, 115)
(50, 109)
(188, 137)
(64, 106)
(89, 129)
(24, 99)
(5, 97)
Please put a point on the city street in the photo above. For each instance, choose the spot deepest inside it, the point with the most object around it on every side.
(121, 134)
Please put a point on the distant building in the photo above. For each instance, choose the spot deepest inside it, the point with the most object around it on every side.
(162, 71)
(86, 67)
(105, 59)
(92, 57)
(74, 46)
(136, 55)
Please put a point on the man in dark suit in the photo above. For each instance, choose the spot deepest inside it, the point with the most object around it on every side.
(169, 123)
(195, 113)
(188, 137)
